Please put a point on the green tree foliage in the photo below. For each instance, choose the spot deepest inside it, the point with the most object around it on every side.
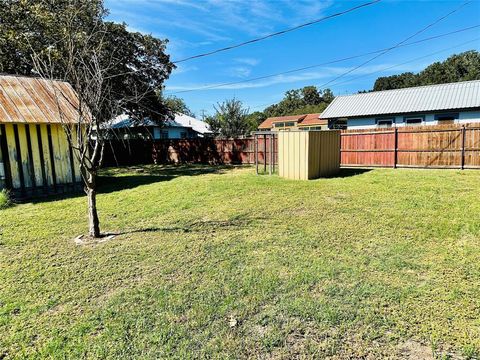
(255, 119)
(37, 34)
(308, 99)
(230, 119)
(111, 69)
(458, 67)
(177, 105)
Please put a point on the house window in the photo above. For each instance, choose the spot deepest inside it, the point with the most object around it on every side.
(385, 122)
(413, 120)
(446, 118)
(163, 134)
(183, 135)
(284, 124)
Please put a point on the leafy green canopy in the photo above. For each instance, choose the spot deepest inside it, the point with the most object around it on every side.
(458, 67)
(307, 100)
(231, 119)
(36, 32)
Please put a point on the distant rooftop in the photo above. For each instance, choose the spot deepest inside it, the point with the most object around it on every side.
(451, 96)
(180, 120)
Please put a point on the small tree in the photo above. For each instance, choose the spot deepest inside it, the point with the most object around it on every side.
(112, 71)
(230, 119)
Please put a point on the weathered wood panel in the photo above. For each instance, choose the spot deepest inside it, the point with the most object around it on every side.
(443, 146)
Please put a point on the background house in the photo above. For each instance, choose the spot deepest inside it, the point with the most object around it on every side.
(181, 127)
(294, 122)
(451, 103)
(35, 156)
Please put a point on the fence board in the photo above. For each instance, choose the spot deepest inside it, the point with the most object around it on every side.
(427, 146)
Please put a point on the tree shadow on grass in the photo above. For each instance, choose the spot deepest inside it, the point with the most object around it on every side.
(204, 226)
(123, 178)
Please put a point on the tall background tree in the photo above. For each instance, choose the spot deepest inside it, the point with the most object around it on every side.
(112, 70)
(459, 67)
(307, 100)
(177, 105)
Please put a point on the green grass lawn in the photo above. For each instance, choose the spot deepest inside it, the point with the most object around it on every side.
(220, 263)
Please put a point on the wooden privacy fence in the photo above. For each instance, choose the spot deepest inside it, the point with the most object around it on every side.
(202, 150)
(446, 146)
(419, 147)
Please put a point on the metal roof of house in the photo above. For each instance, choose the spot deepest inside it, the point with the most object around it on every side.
(451, 96)
(197, 125)
(180, 120)
(33, 100)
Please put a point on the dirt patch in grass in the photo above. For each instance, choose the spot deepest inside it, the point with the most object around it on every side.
(413, 350)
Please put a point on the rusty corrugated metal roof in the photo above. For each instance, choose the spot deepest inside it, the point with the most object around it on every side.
(34, 100)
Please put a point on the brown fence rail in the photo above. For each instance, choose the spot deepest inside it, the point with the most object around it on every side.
(445, 146)
(421, 147)
(207, 151)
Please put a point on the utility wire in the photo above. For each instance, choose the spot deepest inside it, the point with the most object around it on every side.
(406, 62)
(208, 87)
(397, 45)
(388, 68)
(278, 32)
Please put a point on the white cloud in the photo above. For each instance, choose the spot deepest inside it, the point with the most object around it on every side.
(325, 74)
(247, 61)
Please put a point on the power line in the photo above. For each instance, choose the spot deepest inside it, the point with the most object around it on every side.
(278, 32)
(406, 62)
(397, 45)
(389, 67)
(208, 87)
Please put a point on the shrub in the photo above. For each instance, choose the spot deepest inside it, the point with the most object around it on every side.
(5, 199)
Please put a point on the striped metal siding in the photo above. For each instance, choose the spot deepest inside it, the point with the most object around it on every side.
(304, 155)
(461, 95)
(38, 157)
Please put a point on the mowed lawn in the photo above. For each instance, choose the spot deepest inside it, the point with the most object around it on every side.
(219, 263)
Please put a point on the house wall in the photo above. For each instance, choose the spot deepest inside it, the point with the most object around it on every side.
(370, 122)
(173, 132)
(36, 156)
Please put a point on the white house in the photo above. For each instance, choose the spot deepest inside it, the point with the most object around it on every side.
(181, 127)
(452, 103)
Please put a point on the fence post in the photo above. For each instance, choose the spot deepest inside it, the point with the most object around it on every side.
(255, 145)
(395, 150)
(264, 154)
(271, 155)
(464, 132)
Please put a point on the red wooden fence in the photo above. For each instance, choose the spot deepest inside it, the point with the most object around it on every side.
(423, 147)
(427, 147)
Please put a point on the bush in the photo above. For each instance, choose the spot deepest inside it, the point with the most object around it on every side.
(5, 199)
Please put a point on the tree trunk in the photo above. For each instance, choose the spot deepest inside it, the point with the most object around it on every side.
(93, 222)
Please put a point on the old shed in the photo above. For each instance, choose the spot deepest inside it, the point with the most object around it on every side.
(35, 156)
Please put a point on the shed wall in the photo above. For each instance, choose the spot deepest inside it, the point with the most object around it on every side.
(36, 156)
(304, 155)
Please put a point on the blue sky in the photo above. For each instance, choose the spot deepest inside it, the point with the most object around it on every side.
(198, 26)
